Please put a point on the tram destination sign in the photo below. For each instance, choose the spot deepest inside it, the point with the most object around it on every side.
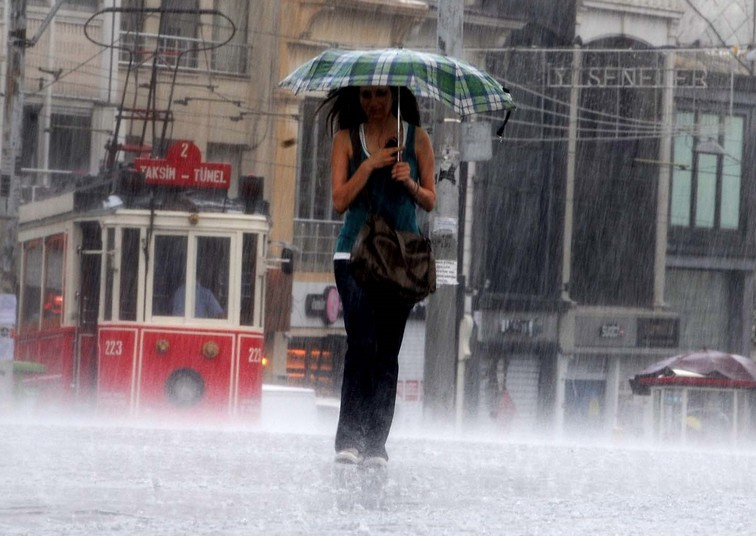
(183, 167)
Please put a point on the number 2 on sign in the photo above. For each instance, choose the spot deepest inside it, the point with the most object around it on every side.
(254, 354)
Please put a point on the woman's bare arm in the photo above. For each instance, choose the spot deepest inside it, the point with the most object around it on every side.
(424, 191)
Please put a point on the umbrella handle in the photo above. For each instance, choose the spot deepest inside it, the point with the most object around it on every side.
(398, 123)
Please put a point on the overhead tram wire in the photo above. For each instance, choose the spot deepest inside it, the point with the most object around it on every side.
(610, 50)
(617, 135)
(601, 126)
(638, 123)
(580, 108)
(702, 132)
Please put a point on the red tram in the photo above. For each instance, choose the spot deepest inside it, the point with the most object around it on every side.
(144, 292)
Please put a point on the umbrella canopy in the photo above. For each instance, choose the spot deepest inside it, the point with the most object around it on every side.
(704, 368)
(460, 85)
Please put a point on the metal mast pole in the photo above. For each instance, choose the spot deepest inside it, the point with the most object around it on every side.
(10, 160)
(442, 316)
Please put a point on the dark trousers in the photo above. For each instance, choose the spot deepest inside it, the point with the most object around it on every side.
(375, 328)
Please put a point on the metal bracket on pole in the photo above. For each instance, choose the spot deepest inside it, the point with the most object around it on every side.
(45, 23)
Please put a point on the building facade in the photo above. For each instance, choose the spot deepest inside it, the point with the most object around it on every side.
(624, 203)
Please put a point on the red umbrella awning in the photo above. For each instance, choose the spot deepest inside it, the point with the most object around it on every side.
(702, 368)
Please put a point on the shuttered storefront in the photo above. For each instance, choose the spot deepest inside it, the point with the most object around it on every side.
(522, 386)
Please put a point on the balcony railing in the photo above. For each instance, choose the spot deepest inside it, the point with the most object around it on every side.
(190, 54)
(315, 242)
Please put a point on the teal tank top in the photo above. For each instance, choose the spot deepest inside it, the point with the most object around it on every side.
(388, 198)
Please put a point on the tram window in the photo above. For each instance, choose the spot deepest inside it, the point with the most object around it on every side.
(169, 273)
(52, 306)
(211, 295)
(32, 286)
(248, 275)
(109, 273)
(91, 260)
(129, 274)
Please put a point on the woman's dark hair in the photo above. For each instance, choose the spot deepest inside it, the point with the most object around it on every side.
(346, 112)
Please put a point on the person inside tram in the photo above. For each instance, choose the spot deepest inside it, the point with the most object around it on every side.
(206, 305)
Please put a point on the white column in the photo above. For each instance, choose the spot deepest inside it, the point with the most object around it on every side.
(662, 199)
(561, 373)
(569, 195)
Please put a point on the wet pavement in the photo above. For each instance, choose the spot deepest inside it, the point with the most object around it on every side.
(82, 477)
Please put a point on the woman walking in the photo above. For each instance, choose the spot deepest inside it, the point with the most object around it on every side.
(382, 165)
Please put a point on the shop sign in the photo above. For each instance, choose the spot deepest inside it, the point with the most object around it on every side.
(658, 332)
(611, 331)
(326, 305)
(523, 327)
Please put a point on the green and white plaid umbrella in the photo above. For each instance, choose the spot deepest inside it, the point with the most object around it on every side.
(463, 87)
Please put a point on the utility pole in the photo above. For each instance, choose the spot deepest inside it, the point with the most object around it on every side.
(10, 159)
(442, 318)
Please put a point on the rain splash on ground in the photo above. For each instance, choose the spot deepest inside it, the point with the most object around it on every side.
(84, 477)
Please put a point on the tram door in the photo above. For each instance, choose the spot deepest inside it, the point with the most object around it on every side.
(85, 363)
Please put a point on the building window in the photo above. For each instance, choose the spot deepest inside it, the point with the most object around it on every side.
(69, 136)
(70, 144)
(176, 42)
(178, 33)
(317, 223)
(314, 185)
(232, 57)
(706, 181)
